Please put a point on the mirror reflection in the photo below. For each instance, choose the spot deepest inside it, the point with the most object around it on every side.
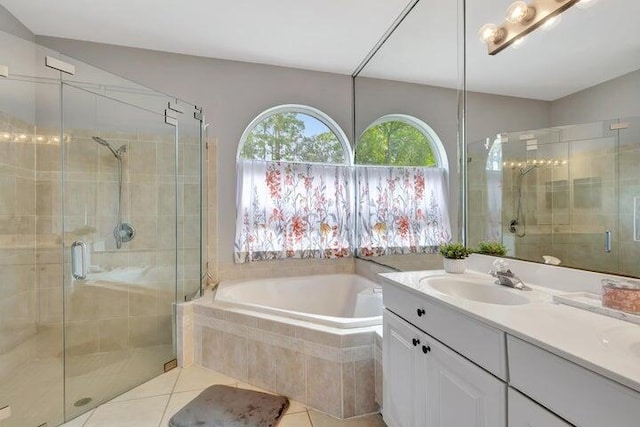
(406, 108)
(558, 187)
(551, 126)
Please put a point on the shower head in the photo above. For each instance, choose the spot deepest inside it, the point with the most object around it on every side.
(526, 170)
(116, 153)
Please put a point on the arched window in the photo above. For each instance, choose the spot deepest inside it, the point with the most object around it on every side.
(400, 140)
(293, 187)
(402, 188)
(295, 133)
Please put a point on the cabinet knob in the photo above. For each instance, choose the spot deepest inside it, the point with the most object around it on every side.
(426, 349)
(416, 342)
(421, 312)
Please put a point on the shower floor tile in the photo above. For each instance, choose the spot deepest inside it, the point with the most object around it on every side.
(156, 401)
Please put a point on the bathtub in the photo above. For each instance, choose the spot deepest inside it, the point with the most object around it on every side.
(335, 300)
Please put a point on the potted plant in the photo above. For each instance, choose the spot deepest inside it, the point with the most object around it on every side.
(491, 248)
(454, 257)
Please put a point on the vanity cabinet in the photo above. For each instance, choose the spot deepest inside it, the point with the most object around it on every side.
(580, 396)
(524, 412)
(428, 385)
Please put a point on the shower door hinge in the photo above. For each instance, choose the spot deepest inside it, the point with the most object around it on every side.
(618, 126)
(170, 117)
(198, 114)
(171, 364)
(175, 107)
(4, 71)
(56, 64)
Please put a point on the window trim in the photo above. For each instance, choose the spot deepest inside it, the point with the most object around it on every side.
(309, 111)
(439, 152)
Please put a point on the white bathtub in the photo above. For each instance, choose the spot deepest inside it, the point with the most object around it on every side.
(336, 300)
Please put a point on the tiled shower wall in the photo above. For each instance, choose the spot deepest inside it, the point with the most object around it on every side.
(18, 277)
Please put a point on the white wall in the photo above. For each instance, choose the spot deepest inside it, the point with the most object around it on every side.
(11, 25)
(617, 98)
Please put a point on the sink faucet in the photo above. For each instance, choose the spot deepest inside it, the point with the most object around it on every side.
(505, 276)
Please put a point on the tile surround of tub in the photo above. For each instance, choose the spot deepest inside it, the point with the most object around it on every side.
(328, 369)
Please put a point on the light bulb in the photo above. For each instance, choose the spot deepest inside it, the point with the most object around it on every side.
(490, 33)
(40, 138)
(551, 23)
(519, 11)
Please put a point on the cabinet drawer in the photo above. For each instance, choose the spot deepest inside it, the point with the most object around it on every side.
(479, 343)
(524, 412)
(582, 397)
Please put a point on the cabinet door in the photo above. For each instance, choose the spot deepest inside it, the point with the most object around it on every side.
(459, 393)
(400, 372)
(524, 412)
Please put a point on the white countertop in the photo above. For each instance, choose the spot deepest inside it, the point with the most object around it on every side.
(602, 344)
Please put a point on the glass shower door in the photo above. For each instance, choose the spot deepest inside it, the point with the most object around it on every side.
(628, 239)
(119, 204)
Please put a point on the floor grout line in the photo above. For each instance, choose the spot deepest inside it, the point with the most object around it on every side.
(93, 411)
(309, 417)
(170, 396)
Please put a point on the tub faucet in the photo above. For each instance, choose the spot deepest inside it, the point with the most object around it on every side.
(505, 276)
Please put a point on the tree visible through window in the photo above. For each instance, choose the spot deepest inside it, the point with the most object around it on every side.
(395, 143)
(293, 137)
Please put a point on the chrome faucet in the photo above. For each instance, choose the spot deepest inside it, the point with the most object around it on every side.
(505, 276)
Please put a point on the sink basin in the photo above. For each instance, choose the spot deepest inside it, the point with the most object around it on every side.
(475, 290)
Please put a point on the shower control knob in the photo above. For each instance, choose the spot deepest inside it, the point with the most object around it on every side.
(421, 312)
(426, 349)
(416, 342)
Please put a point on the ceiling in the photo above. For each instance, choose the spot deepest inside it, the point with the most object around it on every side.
(328, 35)
(588, 47)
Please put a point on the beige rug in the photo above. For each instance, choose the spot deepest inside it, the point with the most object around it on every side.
(225, 406)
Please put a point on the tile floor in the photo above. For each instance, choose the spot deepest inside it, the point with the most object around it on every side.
(153, 403)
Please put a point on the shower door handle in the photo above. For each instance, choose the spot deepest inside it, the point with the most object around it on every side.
(607, 241)
(79, 262)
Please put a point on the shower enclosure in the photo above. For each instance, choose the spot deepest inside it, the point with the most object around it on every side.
(101, 184)
(569, 192)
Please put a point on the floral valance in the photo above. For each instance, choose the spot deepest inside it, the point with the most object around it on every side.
(292, 210)
(401, 210)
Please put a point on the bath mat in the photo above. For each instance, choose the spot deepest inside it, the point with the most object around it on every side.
(225, 406)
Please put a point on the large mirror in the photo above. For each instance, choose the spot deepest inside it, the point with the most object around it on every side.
(557, 179)
(406, 139)
(551, 130)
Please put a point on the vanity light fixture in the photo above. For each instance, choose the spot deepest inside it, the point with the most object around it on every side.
(522, 19)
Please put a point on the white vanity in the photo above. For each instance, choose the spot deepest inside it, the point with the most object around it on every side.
(460, 351)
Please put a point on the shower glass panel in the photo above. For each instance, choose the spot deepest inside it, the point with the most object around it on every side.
(587, 218)
(82, 320)
(629, 200)
(189, 203)
(119, 295)
(31, 353)
(570, 192)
